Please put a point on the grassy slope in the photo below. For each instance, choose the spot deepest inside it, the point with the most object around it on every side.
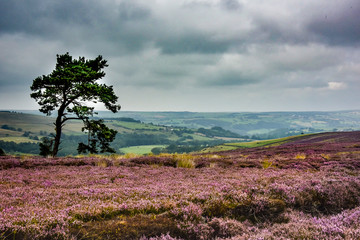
(33, 124)
(36, 123)
(320, 137)
(249, 123)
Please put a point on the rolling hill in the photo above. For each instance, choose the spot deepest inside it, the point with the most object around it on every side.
(259, 125)
(21, 132)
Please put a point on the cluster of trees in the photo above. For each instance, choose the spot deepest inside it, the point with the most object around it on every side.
(26, 147)
(7, 127)
(125, 119)
(218, 132)
(284, 132)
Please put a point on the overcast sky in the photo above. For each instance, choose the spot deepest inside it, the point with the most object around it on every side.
(191, 55)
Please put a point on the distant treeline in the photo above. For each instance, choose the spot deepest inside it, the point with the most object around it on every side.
(124, 119)
(285, 132)
(7, 127)
(69, 143)
(219, 132)
(26, 147)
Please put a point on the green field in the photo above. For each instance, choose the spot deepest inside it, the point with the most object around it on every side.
(140, 150)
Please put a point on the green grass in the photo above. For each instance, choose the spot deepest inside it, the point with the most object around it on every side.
(35, 124)
(261, 143)
(218, 148)
(140, 150)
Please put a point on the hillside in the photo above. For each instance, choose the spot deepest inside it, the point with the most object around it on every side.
(298, 140)
(20, 132)
(256, 125)
(306, 187)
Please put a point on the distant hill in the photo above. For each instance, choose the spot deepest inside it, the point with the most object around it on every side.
(261, 125)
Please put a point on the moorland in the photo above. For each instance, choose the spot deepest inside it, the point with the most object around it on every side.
(304, 187)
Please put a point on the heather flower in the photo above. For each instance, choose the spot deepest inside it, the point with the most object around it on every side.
(312, 198)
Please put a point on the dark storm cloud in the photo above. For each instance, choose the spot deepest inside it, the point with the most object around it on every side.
(77, 22)
(130, 26)
(38, 16)
(41, 17)
(340, 25)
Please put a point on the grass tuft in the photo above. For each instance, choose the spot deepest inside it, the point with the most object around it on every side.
(300, 156)
(184, 161)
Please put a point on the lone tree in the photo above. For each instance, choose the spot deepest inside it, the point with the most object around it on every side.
(67, 90)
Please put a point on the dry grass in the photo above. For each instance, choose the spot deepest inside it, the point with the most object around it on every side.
(184, 160)
(300, 156)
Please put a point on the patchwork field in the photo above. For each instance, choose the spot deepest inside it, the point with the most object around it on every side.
(21, 133)
(303, 188)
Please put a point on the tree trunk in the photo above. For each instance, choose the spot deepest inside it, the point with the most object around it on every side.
(57, 136)
(58, 130)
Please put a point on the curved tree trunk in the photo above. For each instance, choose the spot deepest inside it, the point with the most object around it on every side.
(58, 129)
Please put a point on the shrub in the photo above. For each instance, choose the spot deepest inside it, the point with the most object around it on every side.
(129, 227)
(226, 228)
(261, 210)
(152, 160)
(328, 197)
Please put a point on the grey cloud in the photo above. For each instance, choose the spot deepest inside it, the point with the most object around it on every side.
(304, 58)
(157, 47)
(339, 25)
(330, 22)
(229, 79)
(231, 4)
(191, 43)
(33, 15)
(85, 23)
(271, 31)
